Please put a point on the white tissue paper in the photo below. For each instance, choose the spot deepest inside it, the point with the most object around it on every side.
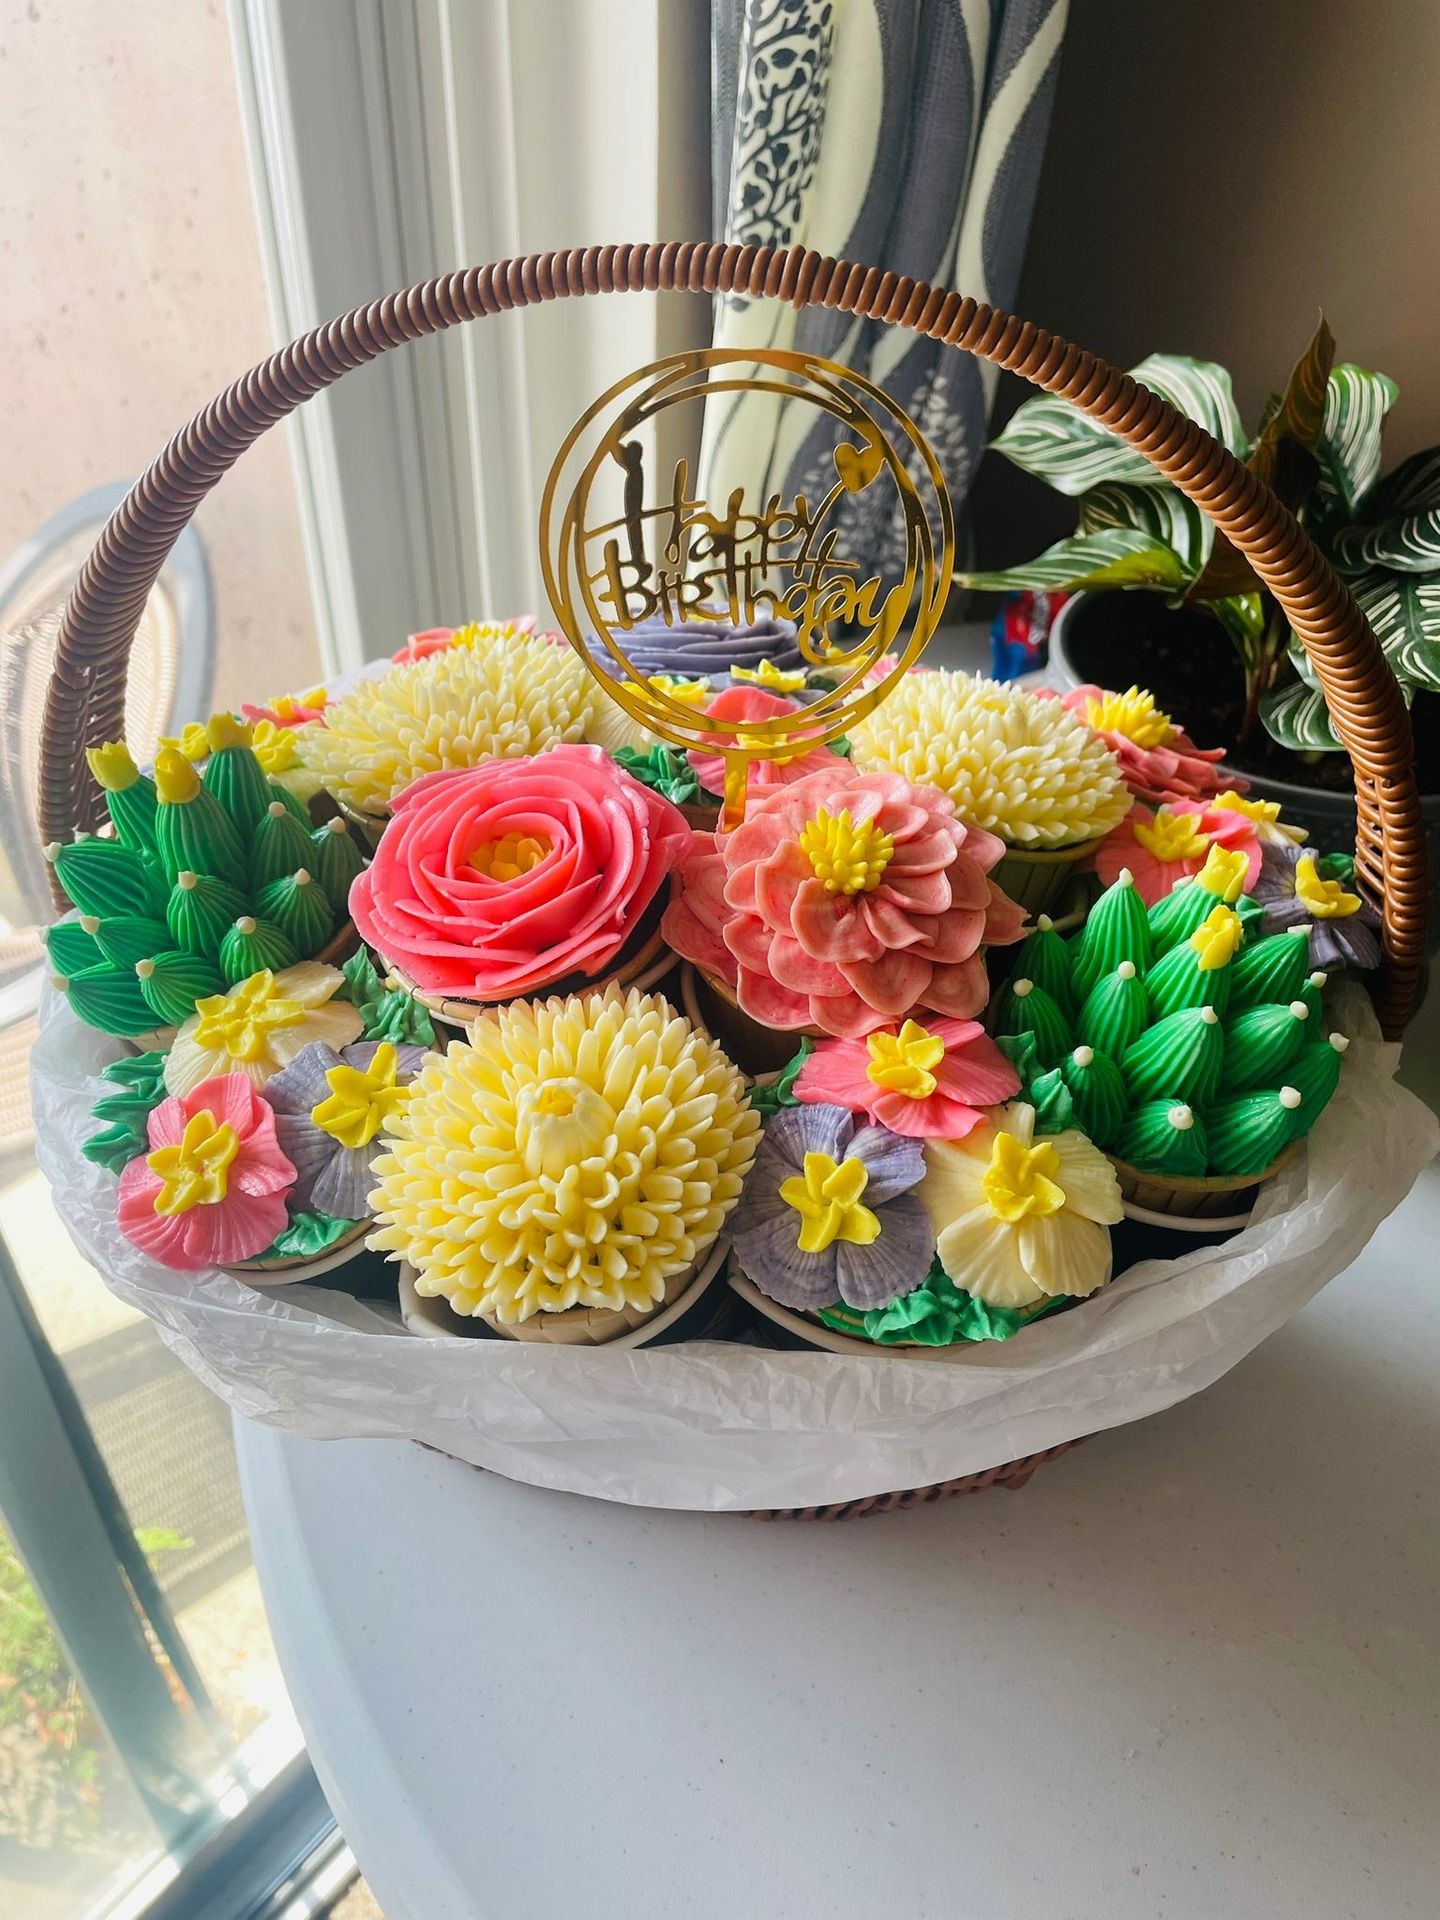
(728, 1427)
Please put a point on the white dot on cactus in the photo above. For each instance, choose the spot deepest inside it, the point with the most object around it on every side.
(1317, 979)
(1340, 1042)
(185, 879)
(1126, 970)
(1045, 923)
(1209, 1016)
(302, 877)
(276, 808)
(144, 969)
(245, 924)
(1299, 1009)
(1181, 1118)
(1125, 878)
(1083, 1056)
(90, 923)
(336, 825)
(52, 850)
(1022, 987)
(60, 983)
(1290, 1097)
(80, 836)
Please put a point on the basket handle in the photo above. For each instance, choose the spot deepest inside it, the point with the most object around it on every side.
(86, 698)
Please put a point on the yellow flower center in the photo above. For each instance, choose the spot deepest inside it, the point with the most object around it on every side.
(1263, 812)
(361, 1099)
(560, 1124)
(767, 674)
(1133, 715)
(288, 705)
(1224, 873)
(1217, 938)
(197, 1172)
(240, 1022)
(1172, 836)
(509, 857)
(846, 858)
(690, 693)
(192, 742)
(273, 747)
(827, 1198)
(112, 766)
(903, 1062)
(176, 780)
(224, 730)
(1020, 1180)
(1324, 899)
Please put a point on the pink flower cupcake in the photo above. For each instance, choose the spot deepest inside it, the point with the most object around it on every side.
(843, 902)
(495, 881)
(1170, 844)
(929, 1080)
(754, 703)
(212, 1189)
(1159, 761)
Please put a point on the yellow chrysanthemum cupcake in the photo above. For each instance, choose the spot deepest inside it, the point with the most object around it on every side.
(517, 694)
(1019, 766)
(563, 1173)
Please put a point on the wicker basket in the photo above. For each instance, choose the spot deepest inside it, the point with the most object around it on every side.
(1203, 1198)
(86, 701)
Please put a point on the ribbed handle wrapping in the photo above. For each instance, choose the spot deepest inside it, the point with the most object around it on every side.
(86, 699)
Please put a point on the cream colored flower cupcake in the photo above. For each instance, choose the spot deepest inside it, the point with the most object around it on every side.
(517, 694)
(1021, 767)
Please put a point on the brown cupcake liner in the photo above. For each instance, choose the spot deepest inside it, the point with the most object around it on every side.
(1196, 1197)
(297, 1267)
(576, 1326)
(1036, 879)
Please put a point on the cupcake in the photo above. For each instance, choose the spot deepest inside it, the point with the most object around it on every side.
(515, 695)
(903, 1242)
(563, 1173)
(1158, 761)
(516, 876)
(845, 902)
(1198, 1060)
(1020, 767)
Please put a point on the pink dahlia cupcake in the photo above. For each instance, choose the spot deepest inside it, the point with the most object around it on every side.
(844, 902)
(1158, 760)
(494, 882)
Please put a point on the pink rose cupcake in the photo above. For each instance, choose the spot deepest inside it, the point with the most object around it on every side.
(505, 879)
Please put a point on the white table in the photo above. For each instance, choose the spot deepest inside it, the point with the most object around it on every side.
(1193, 1669)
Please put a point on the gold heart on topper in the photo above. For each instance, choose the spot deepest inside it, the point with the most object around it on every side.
(619, 552)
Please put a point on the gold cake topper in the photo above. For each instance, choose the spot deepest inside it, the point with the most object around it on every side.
(671, 557)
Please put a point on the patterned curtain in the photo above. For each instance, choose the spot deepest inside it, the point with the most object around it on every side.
(904, 133)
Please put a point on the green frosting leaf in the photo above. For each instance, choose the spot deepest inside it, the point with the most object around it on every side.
(240, 784)
(336, 862)
(1028, 1008)
(937, 1313)
(663, 769)
(389, 1013)
(307, 1237)
(1115, 929)
(769, 1098)
(71, 948)
(102, 877)
(140, 1086)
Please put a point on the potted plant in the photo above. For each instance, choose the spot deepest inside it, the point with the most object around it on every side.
(1206, 638)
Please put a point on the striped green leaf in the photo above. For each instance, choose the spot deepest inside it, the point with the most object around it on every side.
(1050, 439)
(1402, 521)
(1297, 716)
(1404, 612)
(1356, 403)
(1162, 512)
(1117, 557)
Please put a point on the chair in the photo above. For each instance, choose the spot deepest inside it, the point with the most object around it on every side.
(171, 676)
